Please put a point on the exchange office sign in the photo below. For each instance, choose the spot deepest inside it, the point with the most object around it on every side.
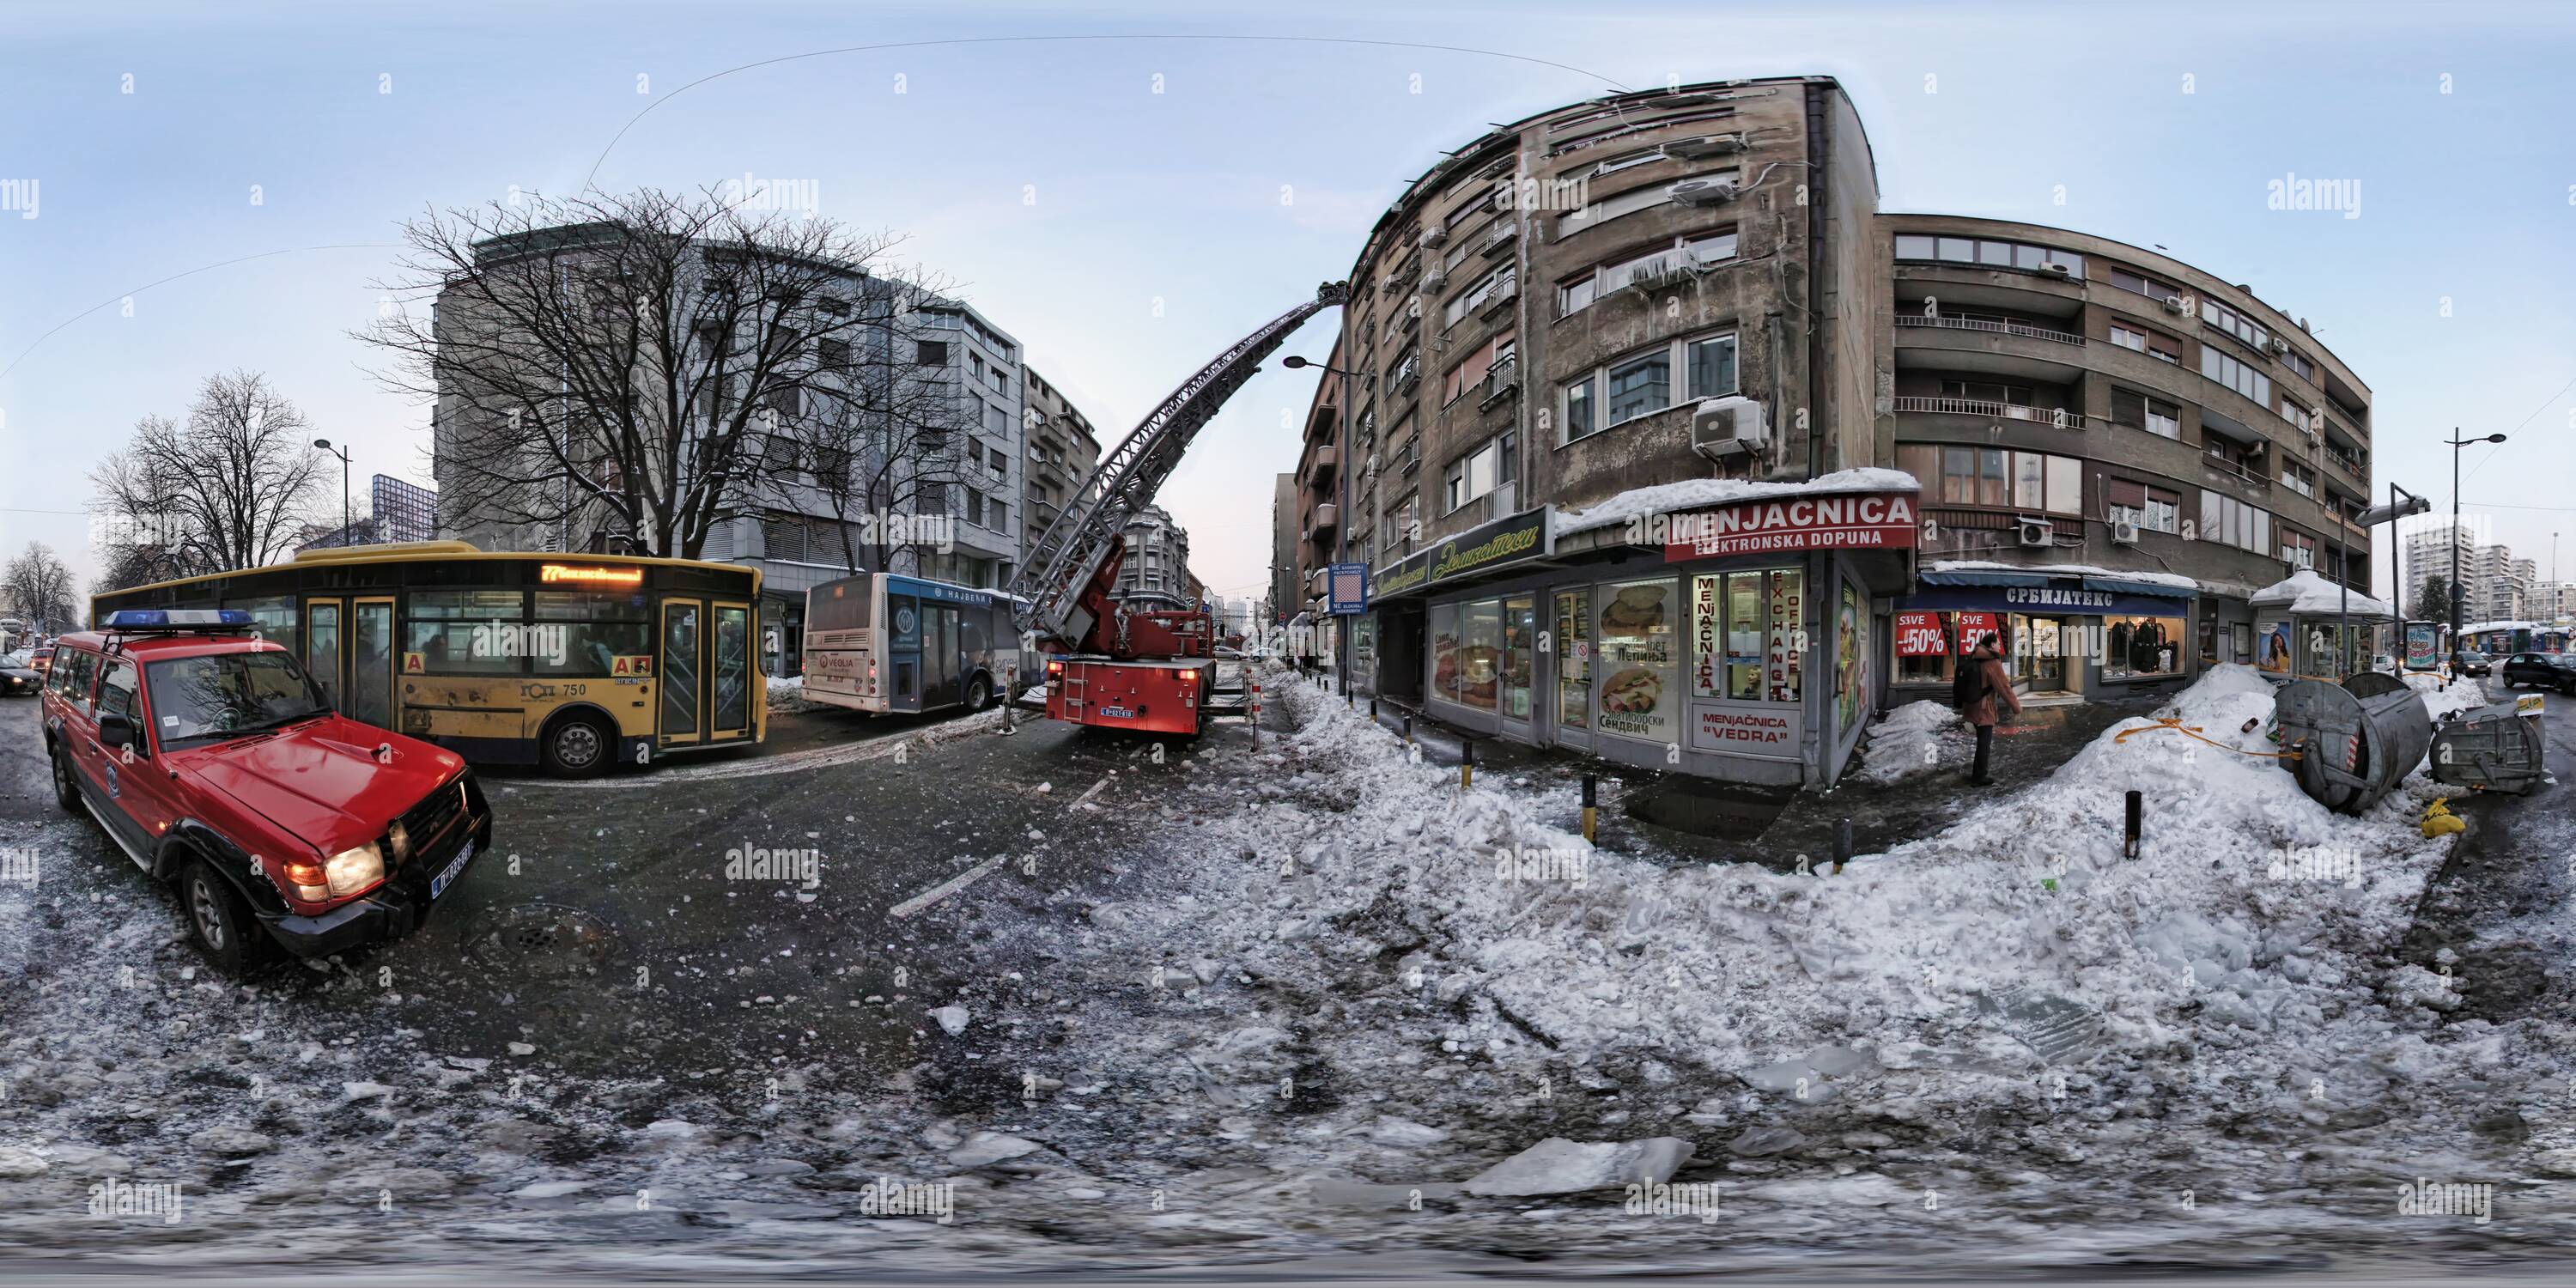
(1846, 521)
(1498, 544)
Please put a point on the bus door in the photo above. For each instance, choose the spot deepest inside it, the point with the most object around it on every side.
(903, 652)
(729, 673)
(939, 683)
(371, 662)
(326, 649)
(682, 666)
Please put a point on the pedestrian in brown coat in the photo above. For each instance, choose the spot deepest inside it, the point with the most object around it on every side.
(1993, 689)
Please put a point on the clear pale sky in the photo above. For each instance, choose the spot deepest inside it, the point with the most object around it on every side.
(1125, 235)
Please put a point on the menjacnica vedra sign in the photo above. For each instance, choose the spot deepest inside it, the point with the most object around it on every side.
(1854, 521)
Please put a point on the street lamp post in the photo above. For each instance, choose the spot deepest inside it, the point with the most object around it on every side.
(325, 445)
(2456, 593)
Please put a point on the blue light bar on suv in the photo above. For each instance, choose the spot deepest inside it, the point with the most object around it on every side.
(179, 619)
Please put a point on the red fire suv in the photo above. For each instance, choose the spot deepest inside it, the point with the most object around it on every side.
(214, 760)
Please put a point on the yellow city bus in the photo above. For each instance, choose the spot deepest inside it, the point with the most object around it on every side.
(565, 661)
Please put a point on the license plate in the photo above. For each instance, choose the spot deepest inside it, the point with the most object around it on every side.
(438, 884)
(1118, 713)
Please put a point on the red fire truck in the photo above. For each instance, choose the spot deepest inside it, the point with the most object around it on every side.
(1106, 665)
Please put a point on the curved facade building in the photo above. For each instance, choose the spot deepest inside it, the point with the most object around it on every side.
(1617, 391)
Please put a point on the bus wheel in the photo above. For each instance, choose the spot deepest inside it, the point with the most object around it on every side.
(576, 747)
(979, 694)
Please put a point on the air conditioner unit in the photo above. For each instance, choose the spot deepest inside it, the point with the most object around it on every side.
(2124, 532)
(2172, 303)
(1435, 235)
(1435, 277)
(2302, 559)
(2280, 348)
(1729, 426)
(1708, 145)
(2054, 269)
(1703, 192)
(2038, 532)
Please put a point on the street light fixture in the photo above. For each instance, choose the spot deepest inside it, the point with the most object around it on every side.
(2456, 593)
(325, 445)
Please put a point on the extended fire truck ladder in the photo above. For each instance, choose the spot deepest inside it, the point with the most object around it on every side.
(1055, 596)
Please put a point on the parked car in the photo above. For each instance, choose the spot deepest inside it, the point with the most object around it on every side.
(19, 676)
(2473, 662)
(2542, 670)
(213, 760)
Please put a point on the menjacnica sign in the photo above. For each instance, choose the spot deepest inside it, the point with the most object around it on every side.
(1853, 521)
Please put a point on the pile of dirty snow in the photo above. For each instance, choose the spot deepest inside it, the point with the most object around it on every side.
(1913, 740)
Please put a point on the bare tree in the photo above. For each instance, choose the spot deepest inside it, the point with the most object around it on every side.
(39, 587)
(883, 446)
(627, 364)
(231, 488)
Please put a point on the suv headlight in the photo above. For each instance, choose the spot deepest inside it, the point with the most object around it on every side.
(346, 873)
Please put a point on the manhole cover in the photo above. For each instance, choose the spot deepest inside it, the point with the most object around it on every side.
(543, 942)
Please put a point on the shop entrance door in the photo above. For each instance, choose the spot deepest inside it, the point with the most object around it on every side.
(2039, 646)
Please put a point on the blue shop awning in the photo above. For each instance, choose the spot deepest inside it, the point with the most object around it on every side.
(1980, 577)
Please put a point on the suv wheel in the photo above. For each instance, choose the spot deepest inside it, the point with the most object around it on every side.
(979, 694)
(578, 747)
(220, 921)
(66, 788)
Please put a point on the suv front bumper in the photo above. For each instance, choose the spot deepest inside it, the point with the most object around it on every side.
(391, 911)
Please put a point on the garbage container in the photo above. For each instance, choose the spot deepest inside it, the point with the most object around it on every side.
(2493, 748)
(2356, 740)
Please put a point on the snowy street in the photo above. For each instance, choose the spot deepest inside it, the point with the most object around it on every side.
(1301, 997)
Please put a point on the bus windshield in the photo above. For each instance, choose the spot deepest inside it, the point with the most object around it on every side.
(229, 694)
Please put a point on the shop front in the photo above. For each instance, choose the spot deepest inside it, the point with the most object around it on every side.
(1740, 644)
(2064, 636)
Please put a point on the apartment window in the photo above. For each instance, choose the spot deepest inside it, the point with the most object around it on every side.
(1695, 251)
(1987, 391)
(2299, 478)
(2298, 549)
(2228, 521)
(1480, 471)
(2140, 340)
(2297, 415)
(996, 421)
(1474, 297)
(930, 498)
(2143, 285)
(974, 506)
(1996, 477)
(1615, 164)
(2234, 323)
(1640, 386)
(1710, 364)
(2152, 508)
(1470, 371)
(832, 355)
(2241, 377)
(1630, 202)
(930, 353)
(2137, 411)
(2298, 362)
(1580, 421)
(995, 463)
(1001, 514)
(1988, 253)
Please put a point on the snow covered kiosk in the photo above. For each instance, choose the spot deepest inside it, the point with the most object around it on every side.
(2309, 627)
(1726, 628)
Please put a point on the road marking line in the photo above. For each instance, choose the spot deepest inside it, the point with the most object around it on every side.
(948, 887)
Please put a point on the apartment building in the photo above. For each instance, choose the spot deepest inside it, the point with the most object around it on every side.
(1635, 375)
(1063, 450)
(2493, 585)
(803, 514)
(1154, 574)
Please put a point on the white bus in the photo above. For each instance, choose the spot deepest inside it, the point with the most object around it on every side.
(889, 643)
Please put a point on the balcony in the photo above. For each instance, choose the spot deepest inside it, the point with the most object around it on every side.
(1328, 517)
(1502, 384)
(2232, 471)
(1505, 233)
(1320, 465)
(1503, 293)
(2023, 329)
(2056, 417)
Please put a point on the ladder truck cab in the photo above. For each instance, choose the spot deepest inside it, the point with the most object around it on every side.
(1106, 665)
